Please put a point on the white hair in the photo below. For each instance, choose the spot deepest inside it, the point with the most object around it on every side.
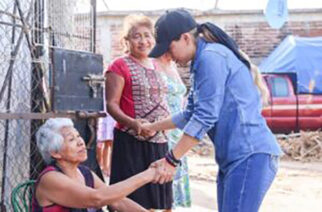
(49, 138)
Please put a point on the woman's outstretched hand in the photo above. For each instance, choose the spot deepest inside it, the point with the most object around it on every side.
(164, 171)
(146, 129)
(142, 127)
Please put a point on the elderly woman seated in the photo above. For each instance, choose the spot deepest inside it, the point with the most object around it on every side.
(67, 186)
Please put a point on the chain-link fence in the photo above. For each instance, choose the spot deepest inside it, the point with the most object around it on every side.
(29, 30)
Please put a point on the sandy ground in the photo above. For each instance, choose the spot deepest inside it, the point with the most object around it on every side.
(297, 187)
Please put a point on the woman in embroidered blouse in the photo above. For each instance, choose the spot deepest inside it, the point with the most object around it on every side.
(135, 91)
(67, 186)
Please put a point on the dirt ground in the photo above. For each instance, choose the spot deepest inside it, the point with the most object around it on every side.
(297, 187)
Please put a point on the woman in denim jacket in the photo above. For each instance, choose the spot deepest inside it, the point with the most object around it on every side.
(224, 102)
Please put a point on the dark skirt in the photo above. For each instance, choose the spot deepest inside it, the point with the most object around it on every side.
(131, 156)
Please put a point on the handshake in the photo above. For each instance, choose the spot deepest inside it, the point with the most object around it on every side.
(160, 172)
(143, 128)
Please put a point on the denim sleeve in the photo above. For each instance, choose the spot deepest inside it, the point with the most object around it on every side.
(209, 90)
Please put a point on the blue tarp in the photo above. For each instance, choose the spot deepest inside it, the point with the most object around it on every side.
(299, 55)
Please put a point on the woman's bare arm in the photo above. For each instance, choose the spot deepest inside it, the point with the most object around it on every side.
(55, 187)
(165, 124)
(125, 204)
(114, 87)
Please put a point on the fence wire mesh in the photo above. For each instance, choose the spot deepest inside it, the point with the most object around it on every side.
(29, 29)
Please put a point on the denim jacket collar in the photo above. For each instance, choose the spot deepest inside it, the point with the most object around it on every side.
(201, 44)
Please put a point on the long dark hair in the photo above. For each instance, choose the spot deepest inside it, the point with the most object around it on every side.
(213, 33)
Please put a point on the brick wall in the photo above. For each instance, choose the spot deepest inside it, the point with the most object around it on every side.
(117, 49)
(258, 39)
(248, 28)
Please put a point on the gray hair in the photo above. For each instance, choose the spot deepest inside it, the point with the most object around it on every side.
(49, 138)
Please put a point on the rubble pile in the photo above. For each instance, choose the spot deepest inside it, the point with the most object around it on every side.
(303, 146)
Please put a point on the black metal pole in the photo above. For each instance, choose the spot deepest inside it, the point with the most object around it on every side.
(93, 26)
(37, 94)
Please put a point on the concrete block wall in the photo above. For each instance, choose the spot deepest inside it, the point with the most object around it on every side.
(248, 28)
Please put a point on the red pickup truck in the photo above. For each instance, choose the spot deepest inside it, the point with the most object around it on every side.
(288, 111)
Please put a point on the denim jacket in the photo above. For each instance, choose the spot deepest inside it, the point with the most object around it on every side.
(225, 103)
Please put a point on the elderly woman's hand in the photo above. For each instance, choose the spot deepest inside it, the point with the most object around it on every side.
(164, 172)
(151, 173)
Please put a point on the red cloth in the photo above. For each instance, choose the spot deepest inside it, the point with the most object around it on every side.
(143, 95)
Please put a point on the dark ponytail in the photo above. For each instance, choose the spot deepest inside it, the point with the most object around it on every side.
(213, 33)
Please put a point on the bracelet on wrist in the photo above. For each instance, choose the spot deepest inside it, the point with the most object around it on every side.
(174, 158)
(170, 162)
(171, 159)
